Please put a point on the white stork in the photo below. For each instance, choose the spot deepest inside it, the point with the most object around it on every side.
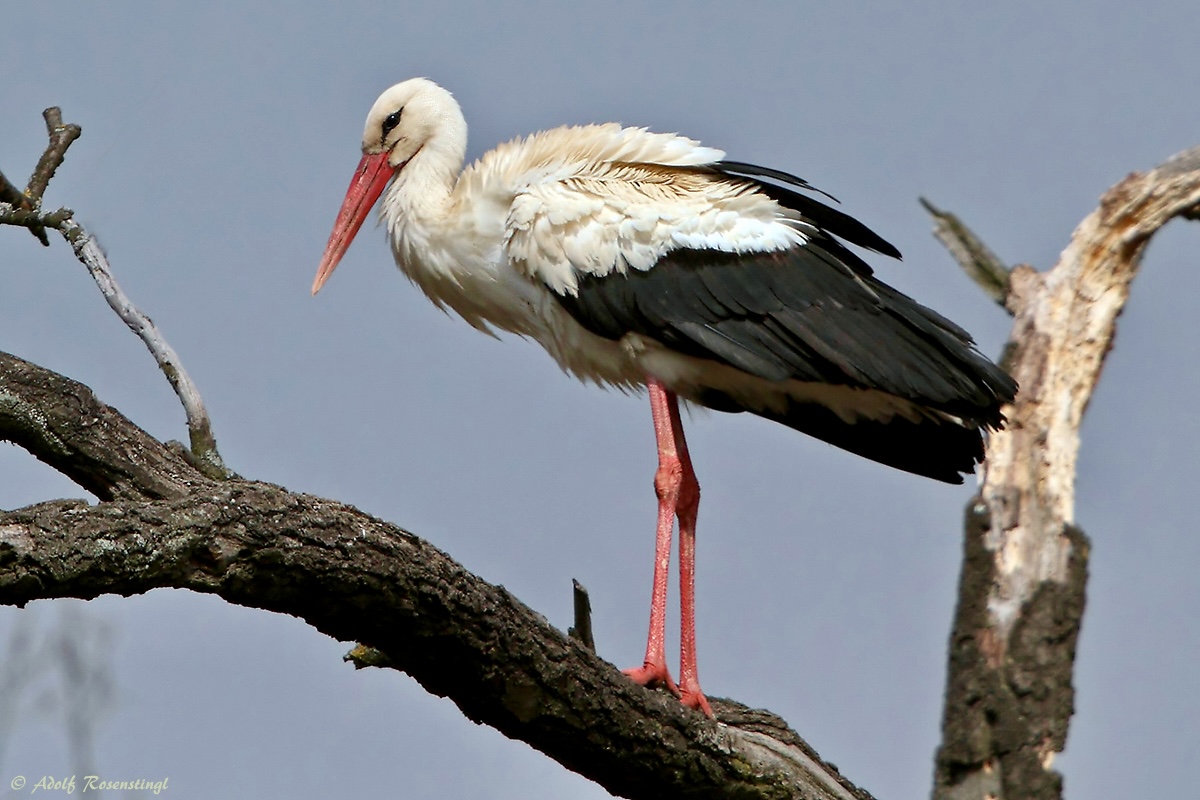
(644, 259)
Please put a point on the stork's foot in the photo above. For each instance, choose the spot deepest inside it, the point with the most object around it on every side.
(692, 697)
(652, 675)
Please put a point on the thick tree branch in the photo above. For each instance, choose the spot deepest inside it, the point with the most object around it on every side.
(1009, 694)
(62, 423)
(357, 578)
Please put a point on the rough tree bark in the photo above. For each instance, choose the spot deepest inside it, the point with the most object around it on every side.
(358, 578)
(1009, 695)
(165, 522)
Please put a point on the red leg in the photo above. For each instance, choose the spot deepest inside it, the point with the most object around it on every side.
(686, 506)
(654, 669)
(678, 495)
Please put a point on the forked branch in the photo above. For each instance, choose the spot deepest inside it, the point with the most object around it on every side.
(25, 209)
(1009, 693)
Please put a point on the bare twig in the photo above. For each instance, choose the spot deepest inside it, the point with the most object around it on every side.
(61, 137)
(203, 443)
(976, 259)
(25, 210)
(1009, 695)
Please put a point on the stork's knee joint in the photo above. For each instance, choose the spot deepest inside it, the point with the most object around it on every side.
(668, 478)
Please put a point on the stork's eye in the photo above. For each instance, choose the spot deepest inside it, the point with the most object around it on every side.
(391, 121)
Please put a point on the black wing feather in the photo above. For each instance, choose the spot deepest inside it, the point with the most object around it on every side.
(800, 314)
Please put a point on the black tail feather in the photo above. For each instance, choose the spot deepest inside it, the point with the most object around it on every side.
(932, 447)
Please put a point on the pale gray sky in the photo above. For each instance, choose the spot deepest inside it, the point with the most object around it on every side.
(218, 141)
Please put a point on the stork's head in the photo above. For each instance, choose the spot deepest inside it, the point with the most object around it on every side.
(407, 118)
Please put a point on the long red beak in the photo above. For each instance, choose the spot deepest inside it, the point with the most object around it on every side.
(367, 184)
